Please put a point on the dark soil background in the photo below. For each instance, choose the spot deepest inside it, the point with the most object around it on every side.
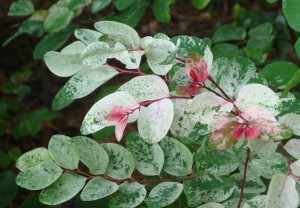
(44, 85)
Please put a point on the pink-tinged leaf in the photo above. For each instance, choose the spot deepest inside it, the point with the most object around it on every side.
(238, 132)
(251, 132)
(196, 67)
(186, 90)
(120, 127)
(116, 114)
(223, 138)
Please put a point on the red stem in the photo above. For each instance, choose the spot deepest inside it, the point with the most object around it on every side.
(244, 177)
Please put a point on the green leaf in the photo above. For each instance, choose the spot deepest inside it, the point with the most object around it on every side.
(63, 151)
(51, 42)
(292, 83)
(121, 162)
(65, 188)
(8, 188)
(208, 188)
(290, 10)
(216, 162)
(200, 4)
(88, 204)
(211, 205)
(290, 106)
(161, 10)
(104, 133)
(271, 1)
(252, 184)
(119, 32)
(178, 158)
(154, 121)
(293, 148)
(278, 74)
(282, 192)
(58, 18)
(148, 87)
(78, 4)
(232, 74)
(33, 158)
(95, 118)
(291, 120)
(164, 194)
(263, 148)
(225, 50)
(39, 176)
(98, 5)
(187, 44)
(228, 33)
(123, 4)
(267, 167)
(98, 188)
(86, 81)
(149, 158)
(297, 48)
(33, 202)
(21, 8)
(132, 15)
(87, 36)
(59, 102)
(129, 195)
(259, 95)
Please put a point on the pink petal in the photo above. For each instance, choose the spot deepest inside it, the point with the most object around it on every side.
(116, 114)
(251, 132)
(238, 132)
(120, 127)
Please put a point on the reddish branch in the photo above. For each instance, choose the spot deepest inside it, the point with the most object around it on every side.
(244, 177)
(289, 163)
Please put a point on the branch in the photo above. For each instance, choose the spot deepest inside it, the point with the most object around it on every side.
(244, 177)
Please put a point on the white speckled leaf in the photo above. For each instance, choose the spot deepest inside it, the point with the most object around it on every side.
(91, 153)
(160, 69)
(232, 74)
(159, 50)
(216, 162)
(258, 95)
(63, 151)
(282, 192)
(182, 125)
(155, 120)
(253, 184)
(207, 189)
(149, 158)
(267, 167)
(87, 36)
(204, 106)
(164, 194)
(211, 205)
(149, 87)
(129, 195)
(65, 188)
(63, 65)
(295, 168)
(39, 176)
(258, 201)
(33, 158)
(95, 118)
(293, 148)
(178, 158)
(98, 188)
(291, 120)
(121, 162)
(187, 44)
(263, 148)
(86, 81)
(119, 32)
(74, 48)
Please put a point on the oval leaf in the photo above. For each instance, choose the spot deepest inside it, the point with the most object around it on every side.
(121, 162)
(291, 12)
(87, 36)
(178, 158)
(98, 188)
(164, 194)
(58, 18)
(149, 87)
(63, 151)
(91, 154)
(149, 158)
(291, 120)
(155, 120)
(33, 158)
(293, 148)
(65, 188)
(39, 176)
(129, 195)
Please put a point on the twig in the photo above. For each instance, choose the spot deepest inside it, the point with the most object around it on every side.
(244, 178)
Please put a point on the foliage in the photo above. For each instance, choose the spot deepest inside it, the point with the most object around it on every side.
(217, 122)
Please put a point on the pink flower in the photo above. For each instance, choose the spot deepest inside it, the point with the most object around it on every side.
(196, 67)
